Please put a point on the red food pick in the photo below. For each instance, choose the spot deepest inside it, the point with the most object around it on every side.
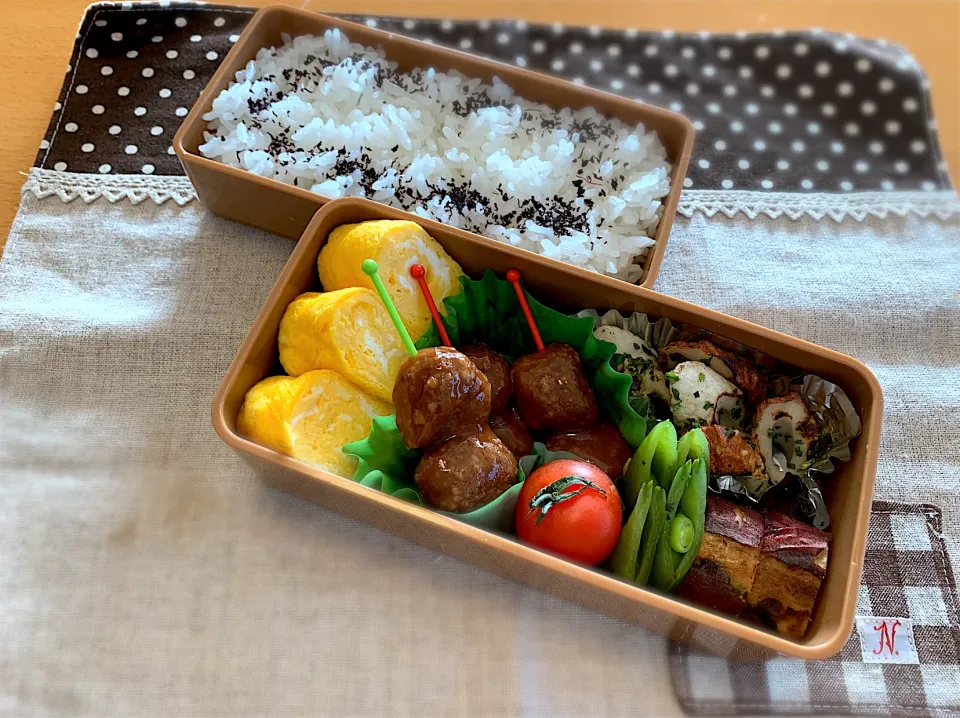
(513, 276)
(419, 273)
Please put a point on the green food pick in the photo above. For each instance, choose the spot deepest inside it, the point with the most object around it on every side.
(371, 269)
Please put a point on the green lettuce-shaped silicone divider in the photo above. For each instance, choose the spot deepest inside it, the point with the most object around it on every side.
(384, 463)
(486, 311)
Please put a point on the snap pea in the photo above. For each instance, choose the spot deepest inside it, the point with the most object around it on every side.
(665, 456)
(651, 534)
(693, 505)
(664, 562)
(677, 487)
(693, 445)
(681, 534)
(662, 440)
(624, 560)
(669, 565)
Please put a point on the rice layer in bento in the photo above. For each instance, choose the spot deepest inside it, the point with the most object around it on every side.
(339, 119)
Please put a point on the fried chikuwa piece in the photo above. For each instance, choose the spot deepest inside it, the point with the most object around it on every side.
(733, 452)
(737, 369)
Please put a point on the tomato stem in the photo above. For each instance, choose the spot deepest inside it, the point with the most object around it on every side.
(556, 492)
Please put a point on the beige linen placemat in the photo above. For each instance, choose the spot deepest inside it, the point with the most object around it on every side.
(144, 570)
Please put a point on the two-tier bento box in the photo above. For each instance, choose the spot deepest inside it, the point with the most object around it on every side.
(469, 369)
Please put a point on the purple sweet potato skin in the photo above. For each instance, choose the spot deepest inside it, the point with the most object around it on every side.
(739, 523)
(794, 543)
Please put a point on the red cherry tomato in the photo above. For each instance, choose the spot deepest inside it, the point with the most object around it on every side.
(570, 508)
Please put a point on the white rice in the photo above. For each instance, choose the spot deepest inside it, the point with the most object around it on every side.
(338, 119)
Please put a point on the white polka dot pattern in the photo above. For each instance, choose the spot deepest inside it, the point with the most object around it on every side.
(801, 92)
(134, 73)
(785, 112)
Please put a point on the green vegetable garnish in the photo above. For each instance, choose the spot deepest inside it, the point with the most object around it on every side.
(624, 560)
(664, 561)
(654, 458)
(682, 534)
(670, 565)
(677, 487)
(692, 446)
(693, 505)
(652, 529)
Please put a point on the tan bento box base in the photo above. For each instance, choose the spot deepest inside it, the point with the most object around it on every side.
(277, 207)
(848, 492)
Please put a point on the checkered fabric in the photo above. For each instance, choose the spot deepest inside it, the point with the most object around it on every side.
(907, 611)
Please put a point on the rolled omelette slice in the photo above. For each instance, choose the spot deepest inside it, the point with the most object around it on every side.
(310, 417)
(396, 245)
(348, 331)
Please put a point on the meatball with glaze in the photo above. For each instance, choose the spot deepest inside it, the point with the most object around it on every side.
(511, 431)
(497, 371)
(438, 392)
(550, 391)
(466, 471)
(602, 445)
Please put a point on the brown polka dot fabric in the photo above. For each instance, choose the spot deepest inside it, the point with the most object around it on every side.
(797, 112)
(134, 74)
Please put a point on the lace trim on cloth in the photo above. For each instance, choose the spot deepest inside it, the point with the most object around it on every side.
(839, 206)
(68, 186)
(113, 188)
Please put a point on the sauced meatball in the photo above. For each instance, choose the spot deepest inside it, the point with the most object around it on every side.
(511, 431)
(466, 471)
(550, 391)
(438, 392)
(602, 445)
(497, 371)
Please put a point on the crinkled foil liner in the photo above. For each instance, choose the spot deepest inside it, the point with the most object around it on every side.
(835, 413)
(838, 419)
(656, 334)
(810, 502)
(732, 485)
(839, 425)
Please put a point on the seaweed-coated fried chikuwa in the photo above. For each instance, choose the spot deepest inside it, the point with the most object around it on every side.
(550, 391)
(466, 471)
(438, 392)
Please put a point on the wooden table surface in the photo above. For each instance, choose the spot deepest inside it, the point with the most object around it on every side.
(37, 36)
